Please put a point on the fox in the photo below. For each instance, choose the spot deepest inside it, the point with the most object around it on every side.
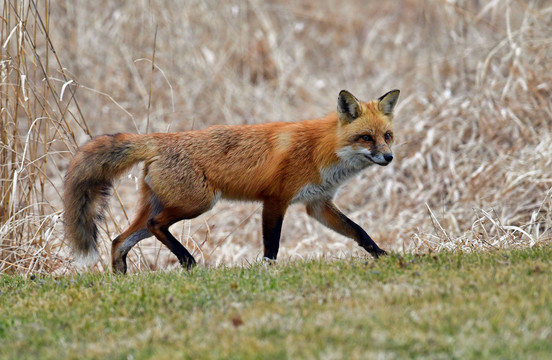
(186, 173)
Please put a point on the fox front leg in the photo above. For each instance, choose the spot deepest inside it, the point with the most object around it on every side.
(329, 215)
(273, 217)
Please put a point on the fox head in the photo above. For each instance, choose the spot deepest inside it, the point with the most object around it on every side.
(365, 129)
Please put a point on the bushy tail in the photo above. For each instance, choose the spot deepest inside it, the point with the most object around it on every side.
(88, 185)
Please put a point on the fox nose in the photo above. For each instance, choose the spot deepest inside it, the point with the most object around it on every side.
(388, 157)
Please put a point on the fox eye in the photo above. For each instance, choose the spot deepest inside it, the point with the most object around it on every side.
(367, 138)
(388, 136)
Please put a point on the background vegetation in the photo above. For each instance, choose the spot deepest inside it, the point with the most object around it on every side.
(473, 165)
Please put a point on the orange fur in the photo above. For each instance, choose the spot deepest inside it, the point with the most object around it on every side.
(186, 173)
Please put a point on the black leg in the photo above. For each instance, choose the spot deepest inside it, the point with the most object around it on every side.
(273, 217)
(121, 246)
(159, 226)
(364, 240)
(329, 215)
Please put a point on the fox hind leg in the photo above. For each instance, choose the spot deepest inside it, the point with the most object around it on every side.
(136, 232)
(154, 220)
(165, 201)
(159, 226)
(122, 245)
(185, 193)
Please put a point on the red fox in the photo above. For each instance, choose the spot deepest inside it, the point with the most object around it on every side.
(185, 173)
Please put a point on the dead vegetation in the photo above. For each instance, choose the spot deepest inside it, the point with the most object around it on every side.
(474, 122)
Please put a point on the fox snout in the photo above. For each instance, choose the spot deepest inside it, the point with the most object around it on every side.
(382, 159)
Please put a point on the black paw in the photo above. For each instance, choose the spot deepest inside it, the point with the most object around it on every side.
(188, 263)
(378, 252)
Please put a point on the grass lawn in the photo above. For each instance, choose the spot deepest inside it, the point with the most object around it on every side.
(445, 305)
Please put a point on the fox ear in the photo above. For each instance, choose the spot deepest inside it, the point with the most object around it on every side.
(348, 107)
(387, 102)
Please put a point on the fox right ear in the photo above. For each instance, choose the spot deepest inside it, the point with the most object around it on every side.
(348, 107)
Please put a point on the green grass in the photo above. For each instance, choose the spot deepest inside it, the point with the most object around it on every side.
(447, 305)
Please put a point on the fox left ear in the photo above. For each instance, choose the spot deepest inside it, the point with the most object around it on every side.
(387, 102)
(348, 107)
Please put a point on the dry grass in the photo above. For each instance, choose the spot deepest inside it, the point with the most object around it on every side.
(473, 165)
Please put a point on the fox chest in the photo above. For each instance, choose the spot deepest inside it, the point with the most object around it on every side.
(332, 178)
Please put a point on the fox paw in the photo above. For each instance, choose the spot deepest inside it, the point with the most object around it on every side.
(378, 252)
